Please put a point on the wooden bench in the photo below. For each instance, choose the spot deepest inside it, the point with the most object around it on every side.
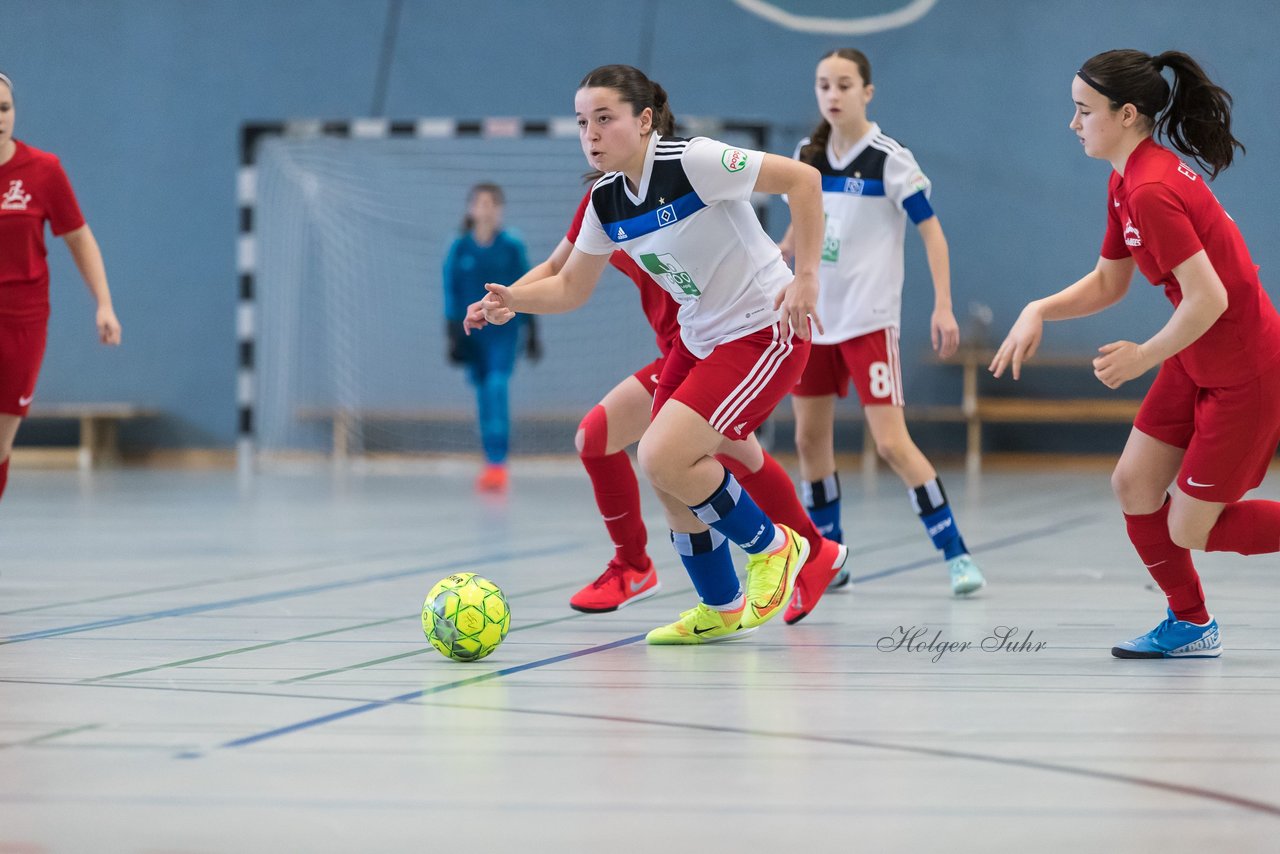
(99, 427)
(348, 424)
(976, 409)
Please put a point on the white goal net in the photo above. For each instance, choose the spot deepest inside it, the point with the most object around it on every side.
(350, 235)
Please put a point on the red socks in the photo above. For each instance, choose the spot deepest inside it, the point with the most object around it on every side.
(617, 490)
(4, 475)
(1247, 528)
(1169, 564)
(771, 488)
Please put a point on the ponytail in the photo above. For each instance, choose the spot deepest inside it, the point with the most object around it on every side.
(817, 144)
(1198, 120)
(1194, 115)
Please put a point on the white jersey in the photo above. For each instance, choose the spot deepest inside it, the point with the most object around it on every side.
(692, 227)
(867, 196)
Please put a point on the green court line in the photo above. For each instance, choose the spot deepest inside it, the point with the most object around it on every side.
(49, 736)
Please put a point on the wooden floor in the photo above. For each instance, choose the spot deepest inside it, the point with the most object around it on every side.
(192, 663)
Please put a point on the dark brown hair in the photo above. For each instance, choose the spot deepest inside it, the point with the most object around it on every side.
(817, 144)
(636, 89)
(476, 189)
(1194, 115)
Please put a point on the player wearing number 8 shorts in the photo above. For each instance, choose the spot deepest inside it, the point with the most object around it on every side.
(870, 186)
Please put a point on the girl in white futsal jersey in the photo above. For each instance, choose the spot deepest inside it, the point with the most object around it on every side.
(620, 419)
(871, 185)
(680, 208)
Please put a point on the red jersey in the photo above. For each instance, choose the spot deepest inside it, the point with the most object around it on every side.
(1161, 213)
(33, 189)
(659, 307)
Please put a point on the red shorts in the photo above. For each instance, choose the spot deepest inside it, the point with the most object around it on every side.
(21, 352)
(870, 360)
(738, 384)
(648, 375)
(1230, 434)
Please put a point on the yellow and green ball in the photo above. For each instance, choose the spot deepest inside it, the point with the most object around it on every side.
(465, 617)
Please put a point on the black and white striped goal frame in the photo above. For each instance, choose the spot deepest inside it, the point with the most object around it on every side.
(252, 134)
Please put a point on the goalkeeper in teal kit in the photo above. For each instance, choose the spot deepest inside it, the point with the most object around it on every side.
(486, 253)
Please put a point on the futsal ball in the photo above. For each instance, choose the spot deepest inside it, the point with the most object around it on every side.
(465, 617)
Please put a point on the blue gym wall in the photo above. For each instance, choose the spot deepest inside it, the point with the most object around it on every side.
(143, 99)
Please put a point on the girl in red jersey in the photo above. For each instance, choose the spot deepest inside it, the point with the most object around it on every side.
(1211, 421)
(680, 208)
(35, 190)
(619, 421)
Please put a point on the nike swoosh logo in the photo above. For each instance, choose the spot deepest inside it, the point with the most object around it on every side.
(26, 401)
(611, 518)
(1153, 565)
(697, 631)
(1191, 482)
(776, 599)
(636, 586)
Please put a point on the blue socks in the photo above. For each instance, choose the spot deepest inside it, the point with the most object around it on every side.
(731, 511)
(822, 500)
(930, 503)
(710, 566)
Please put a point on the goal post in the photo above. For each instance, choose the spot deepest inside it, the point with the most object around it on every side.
(343, 228)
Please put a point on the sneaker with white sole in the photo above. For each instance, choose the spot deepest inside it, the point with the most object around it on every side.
(1174, 638)
(771, 578)
(701, 624)
(966, 578)
(815, 579)
(620, 585)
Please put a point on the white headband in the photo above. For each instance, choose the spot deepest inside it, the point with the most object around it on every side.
(4, 78)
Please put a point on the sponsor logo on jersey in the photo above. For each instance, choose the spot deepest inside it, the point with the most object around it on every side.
(667, 215)
(1131, 235)
(668, 270)
(734, 160)
(622, 235)
(15, 198)
(853, 186)
(830, 240)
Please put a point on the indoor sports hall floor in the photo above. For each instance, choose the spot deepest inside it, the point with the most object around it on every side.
(189, 663)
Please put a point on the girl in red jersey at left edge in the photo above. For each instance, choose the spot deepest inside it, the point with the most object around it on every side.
(34, 190)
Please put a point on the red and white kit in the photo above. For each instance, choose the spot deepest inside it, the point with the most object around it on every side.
(868, 193)
(691, 226)
(1220, 396)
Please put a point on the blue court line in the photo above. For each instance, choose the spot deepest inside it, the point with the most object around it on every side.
(186, 610)
(1032, 534)
(415, 695)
